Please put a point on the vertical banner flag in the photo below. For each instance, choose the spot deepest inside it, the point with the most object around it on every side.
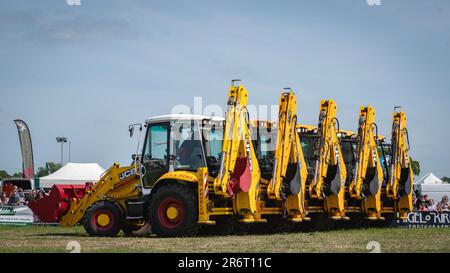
(27, 149)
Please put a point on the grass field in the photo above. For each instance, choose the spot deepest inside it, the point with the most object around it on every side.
(55, 239)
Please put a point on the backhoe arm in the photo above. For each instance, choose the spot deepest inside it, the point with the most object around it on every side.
(239, 173)
(330, 172)
(290, 171)
(400, 185)
(368, 174)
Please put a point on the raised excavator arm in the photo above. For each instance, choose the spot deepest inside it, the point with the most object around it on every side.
(239, 174)
(330, 172)
(289, 170)
(368, 173)
(401, 177)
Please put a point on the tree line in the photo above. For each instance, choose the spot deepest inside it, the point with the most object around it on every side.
(49, 168)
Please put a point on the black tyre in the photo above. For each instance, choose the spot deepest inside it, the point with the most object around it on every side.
(174, 211)
(103, 219)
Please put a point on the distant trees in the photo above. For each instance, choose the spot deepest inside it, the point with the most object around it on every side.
(49, 167)
(445, 179)
(17, 175)
(4, 174)
(415, 165)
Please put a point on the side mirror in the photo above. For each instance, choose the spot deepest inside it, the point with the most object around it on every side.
(136, 157)
(131, 128)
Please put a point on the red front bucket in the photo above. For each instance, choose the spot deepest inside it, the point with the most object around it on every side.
(50, 208)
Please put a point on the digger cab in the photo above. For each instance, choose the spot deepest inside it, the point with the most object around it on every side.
(264, 136)
(308, 140)
(180, 143)
(348, 148)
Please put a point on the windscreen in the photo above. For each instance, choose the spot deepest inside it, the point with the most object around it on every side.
(212, 132)
(187, 145)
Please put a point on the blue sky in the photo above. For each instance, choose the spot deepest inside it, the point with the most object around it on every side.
(88, 71)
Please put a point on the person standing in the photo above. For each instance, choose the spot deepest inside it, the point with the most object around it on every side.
(14, 198)
(443, 205)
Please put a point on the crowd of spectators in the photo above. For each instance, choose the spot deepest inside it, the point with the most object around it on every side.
(425, 203)
(19, 197)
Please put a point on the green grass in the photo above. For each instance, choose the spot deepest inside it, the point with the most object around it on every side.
(55, 239)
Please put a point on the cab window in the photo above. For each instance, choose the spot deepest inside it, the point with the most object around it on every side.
(155, 159)
(156, 146)
(187, 146)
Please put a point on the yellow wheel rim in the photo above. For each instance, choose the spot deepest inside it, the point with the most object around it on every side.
(103, 220)
(172, 213)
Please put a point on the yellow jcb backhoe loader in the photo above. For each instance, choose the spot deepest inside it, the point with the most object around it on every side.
(399, 186)
(289, 169)
(239, 174)
(367, 172)
(160, 186)
(327, 186)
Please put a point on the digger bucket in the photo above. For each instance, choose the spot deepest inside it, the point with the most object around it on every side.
(241, 179)
(405, 182)
(50, 208)
(374, 185)
(336, 182)
(294, 183)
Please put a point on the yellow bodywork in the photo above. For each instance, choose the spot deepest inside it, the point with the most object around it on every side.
(306, 127)
(116, 184)
(288, 151)
(401, 180)
(368, 173)
(237, 144)
(187, 176)
(329, 186)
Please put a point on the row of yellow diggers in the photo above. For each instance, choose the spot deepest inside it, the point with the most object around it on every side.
(285, 172)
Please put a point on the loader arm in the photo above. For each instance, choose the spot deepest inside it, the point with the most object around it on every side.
(289, 171)
(116, 184)
(329, 170)
(401, 180)
(368, 173)
(239, 173)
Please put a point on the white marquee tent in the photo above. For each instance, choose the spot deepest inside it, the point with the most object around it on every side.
(73, 173)
(432, 186)
(429, 179)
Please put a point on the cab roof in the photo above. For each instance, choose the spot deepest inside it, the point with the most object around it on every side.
(175, 117)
